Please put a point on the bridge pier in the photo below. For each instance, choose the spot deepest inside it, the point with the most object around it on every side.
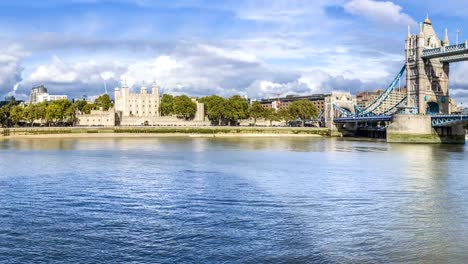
(418, 129)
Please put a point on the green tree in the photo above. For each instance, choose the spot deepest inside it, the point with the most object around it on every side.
(80, 105)
(70, 113)
(88, 107)
(16, 114)
(236, 108)
(256, 111)
(56, 111)
(103, 101)
(4, 114)
(30, 113)
(41, 110)
(185, 107)
(52, 113)
(166, 107)
(271, 115)
(303, 109)
(214, 108)
(284, 114)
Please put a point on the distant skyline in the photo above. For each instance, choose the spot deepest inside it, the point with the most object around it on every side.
(256, 48)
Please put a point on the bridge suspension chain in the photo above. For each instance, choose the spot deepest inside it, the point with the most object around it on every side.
(383, 96)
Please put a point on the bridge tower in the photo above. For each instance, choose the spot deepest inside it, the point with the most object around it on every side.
(426, 79)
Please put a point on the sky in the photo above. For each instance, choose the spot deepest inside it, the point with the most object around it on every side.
(256, 48)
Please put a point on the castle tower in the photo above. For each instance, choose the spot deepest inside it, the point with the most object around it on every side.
(155, 89)
(125, 95)
(426, 79)
(143, 89)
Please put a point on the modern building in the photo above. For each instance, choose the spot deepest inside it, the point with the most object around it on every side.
(39, 94)
(283, 102)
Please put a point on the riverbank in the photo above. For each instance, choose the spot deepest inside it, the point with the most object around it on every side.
(49, 132)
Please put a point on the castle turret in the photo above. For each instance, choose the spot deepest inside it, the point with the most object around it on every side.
(143, 89)
(155, 89)
(446, 39)
(125, 93)
(421, 36)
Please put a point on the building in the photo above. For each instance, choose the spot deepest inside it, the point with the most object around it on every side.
(141, 104)
(427, 79)
(39, 94)
(283, 102)
(364, 99)
(138, 109)
(9, 99)
(97, 118)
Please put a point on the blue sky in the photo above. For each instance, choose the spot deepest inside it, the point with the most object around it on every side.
(257, 48)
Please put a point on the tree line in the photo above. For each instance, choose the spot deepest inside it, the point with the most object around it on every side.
(229, 111)
(55, 113)
(219, 110)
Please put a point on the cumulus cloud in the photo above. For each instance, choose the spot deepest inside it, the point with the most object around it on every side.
(11, 57)
(382, 12)
(198, 70)
(74, 78)
(459, 83)
(310, 82)
(265, 48)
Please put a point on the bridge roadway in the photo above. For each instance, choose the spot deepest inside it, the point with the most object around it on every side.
(437, 120)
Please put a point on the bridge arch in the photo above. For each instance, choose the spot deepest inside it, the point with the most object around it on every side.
(432, 108)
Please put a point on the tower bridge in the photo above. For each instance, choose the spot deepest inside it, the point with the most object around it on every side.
(425, 113)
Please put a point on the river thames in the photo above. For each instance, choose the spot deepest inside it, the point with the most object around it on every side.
(211, 200)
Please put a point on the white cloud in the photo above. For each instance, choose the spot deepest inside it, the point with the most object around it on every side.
(57, 72)
(11, 57)
(107, 75)
(385, 12)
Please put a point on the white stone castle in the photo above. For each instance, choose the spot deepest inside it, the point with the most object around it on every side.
(137, 109)
(141, 104)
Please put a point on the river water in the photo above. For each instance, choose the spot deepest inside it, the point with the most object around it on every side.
(207, 200)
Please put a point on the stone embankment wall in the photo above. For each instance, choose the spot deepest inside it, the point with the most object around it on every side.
(167, 130)
(418, 129)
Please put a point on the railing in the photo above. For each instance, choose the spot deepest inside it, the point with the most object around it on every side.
(445, 120)
(362, 119)
(445, 51)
